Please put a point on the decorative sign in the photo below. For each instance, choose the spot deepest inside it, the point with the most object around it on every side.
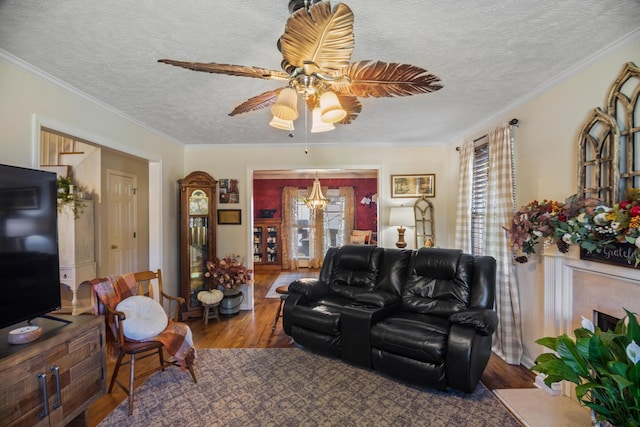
(618, 254)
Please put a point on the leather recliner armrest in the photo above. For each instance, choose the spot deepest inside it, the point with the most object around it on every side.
(310, 288)
(483, 320)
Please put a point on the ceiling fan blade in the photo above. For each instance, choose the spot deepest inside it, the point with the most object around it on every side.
(381, 79)
(229, 69)
(259, 102)
(321, 35)
(351, 105)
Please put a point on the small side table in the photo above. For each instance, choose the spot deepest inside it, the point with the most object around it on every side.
(283, 291)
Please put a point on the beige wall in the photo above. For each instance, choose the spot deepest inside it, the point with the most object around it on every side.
(28, 100)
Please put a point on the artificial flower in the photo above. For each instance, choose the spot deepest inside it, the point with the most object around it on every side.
(585, 222)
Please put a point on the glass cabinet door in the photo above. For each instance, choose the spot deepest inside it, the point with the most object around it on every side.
(272, 244)
(257, 244)
(198, 256)
(266, 242)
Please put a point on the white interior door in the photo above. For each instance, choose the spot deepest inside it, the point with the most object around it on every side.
(121, 221)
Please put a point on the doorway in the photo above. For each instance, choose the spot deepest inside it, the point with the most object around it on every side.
(121, 221)
(267, 192)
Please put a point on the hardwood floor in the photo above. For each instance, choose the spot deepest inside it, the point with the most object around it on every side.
(252, 329)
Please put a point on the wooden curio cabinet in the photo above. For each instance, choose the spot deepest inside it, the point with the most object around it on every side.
(197, 237)
(267, 245)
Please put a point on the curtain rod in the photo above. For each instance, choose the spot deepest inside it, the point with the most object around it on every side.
(512, 122)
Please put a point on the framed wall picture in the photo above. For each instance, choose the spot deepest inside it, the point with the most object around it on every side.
(228, 191)
(413, 185)
(230, 216)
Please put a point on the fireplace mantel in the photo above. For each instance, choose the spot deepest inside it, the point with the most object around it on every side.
(573, 288)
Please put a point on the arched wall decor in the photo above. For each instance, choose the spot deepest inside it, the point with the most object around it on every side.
(609, 142)
(425, 234)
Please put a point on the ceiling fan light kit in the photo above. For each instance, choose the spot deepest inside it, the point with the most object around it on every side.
(286, 107)
(330, 109)
(317, 124)
(316, 48)
(282, 124)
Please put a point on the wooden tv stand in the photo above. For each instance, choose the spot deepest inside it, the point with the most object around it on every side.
(76, 349)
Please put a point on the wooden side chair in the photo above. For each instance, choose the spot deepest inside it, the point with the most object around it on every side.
(149, 283)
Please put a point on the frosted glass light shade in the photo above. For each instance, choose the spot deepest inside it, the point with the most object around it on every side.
(318, 124)
(286, 107)
(330, 108)
(281, 124)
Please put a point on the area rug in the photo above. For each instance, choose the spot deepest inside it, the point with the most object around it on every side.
(292, 387)
(287, 277)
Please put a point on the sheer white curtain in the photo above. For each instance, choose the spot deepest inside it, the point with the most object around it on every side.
(500, 207)
(507, 341)
(289, 218)
(316, 235)
(349, 199)
(463, 214)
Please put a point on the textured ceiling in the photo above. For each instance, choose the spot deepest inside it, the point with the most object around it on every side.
(488, 54)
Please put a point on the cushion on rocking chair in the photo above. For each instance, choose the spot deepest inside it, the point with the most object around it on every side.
(145, 317)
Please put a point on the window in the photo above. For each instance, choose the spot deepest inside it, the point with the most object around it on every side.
(479, 198)
(333, 223)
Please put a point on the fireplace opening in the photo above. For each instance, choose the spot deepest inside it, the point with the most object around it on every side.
(604, 321)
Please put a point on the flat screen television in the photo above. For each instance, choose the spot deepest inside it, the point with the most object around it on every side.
(29, 263)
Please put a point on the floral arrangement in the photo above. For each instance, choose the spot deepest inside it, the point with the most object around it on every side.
(604, 366)
(587, 222)
(228, 272)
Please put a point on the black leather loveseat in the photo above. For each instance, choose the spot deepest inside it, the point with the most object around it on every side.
(425, 316)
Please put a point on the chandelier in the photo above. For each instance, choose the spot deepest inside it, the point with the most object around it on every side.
(312, 86)
(316, 199)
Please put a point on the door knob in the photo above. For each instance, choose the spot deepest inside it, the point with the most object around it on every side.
(114, 246)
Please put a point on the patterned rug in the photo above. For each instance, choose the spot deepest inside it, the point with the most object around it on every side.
(292, 387)
(287, 277)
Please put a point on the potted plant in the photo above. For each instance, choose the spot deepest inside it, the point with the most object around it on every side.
(228, 273)
(67, 196)
(603, 365)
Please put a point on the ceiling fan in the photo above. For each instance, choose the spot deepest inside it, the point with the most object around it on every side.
(316, 48)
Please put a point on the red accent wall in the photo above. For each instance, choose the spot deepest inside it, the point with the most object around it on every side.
(267, 194)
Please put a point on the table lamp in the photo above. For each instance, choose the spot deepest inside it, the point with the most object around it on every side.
(401, 216)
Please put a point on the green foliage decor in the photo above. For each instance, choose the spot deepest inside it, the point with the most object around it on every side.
(604, 366)
(67, 197)
(589, 223)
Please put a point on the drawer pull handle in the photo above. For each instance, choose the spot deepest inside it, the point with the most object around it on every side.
(45, 401)
(56, 374)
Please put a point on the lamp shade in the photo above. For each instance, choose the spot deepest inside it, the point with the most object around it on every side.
(318, 124)
(286, 107)
(281, 124)
(330, 108)
(401, 216)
